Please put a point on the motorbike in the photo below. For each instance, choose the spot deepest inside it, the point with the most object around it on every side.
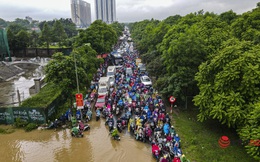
(118, 110)
(97, 115)
(156, 151)
(119, 127)
(110, 125)
(92, 96)
(75, 132)
(88, 116)
(116, 137)
(105, 113)
(86, 127)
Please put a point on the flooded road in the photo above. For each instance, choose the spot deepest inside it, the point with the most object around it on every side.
(95, 146)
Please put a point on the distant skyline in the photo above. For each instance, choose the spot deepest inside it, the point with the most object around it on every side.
(126, 10)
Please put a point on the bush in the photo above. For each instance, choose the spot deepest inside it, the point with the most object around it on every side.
(30, 127)
(19, 123)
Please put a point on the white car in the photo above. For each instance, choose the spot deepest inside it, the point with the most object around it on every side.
(146, 80)
(129, 71)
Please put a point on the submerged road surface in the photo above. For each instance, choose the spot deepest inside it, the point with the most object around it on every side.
(54, 146)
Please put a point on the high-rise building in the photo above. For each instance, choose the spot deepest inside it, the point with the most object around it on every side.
(106, 10)
(81, 13)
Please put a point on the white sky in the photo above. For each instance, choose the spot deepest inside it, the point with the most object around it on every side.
(126, 10)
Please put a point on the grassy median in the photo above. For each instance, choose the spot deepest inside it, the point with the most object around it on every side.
(200, 140)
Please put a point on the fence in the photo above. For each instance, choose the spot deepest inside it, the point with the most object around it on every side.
(41, 52)
(8, 115)
(32, 115)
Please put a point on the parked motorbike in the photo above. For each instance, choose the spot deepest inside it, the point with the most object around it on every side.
(97, 114)
(76, 132)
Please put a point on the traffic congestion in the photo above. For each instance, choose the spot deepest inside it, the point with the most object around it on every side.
(121, 93)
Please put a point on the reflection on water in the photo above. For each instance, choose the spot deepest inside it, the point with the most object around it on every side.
(8, 90)
(95, 146)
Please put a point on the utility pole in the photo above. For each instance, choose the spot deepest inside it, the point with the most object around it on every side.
(77, 80)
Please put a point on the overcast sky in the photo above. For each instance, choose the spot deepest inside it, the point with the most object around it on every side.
(126, 10)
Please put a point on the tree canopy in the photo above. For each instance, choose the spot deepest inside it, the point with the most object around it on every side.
(213, 58)
(100, 35)
(61, 69)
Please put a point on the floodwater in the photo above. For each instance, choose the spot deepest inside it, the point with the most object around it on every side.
(8, 90)
(59, 146)
(53, 146)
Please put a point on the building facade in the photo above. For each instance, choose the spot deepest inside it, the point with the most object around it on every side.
(81, 13)
(106, 10)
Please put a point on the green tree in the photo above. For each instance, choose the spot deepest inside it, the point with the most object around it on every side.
(23, 39)
(12, 35)
(229, 83)
(172, 20)
(58, 33)
(228, 17)
(101, 37)
(118, 28)
(34, 39)
(250, 132)
(46, 35)
(182, 58)
(3, 23)
(229, 90)
(247, 26)
(61, 69)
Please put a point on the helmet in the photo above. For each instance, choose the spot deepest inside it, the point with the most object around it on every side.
(172, 126)
(177, 135)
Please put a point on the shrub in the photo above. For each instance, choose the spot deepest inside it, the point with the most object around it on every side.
(30, 127)
(20, 123)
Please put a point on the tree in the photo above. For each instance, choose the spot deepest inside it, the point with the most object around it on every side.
(229, 83)
(34, 39)
(15, 41)
(3, 23)
(229, 90)
(182, 58)
(118, 28)
(228, 17)
(61, 69)
(247, 26)
(58, 33)
(172, 20)
(46, 35)
(250, 132)
(23, 39)
(101, 37)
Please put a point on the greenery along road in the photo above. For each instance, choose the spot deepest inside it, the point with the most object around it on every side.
(212, 57)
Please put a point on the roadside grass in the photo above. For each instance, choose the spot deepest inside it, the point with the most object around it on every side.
(199, 141)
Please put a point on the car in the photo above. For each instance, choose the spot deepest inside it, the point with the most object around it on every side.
(146, 80)
(142, 68)
(129, 71)
(101, 102)
(102, 90)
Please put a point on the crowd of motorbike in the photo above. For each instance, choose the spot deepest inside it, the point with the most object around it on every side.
(138, 108)
(131, 106)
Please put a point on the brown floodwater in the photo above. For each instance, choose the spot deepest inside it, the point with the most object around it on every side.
(53, 146)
